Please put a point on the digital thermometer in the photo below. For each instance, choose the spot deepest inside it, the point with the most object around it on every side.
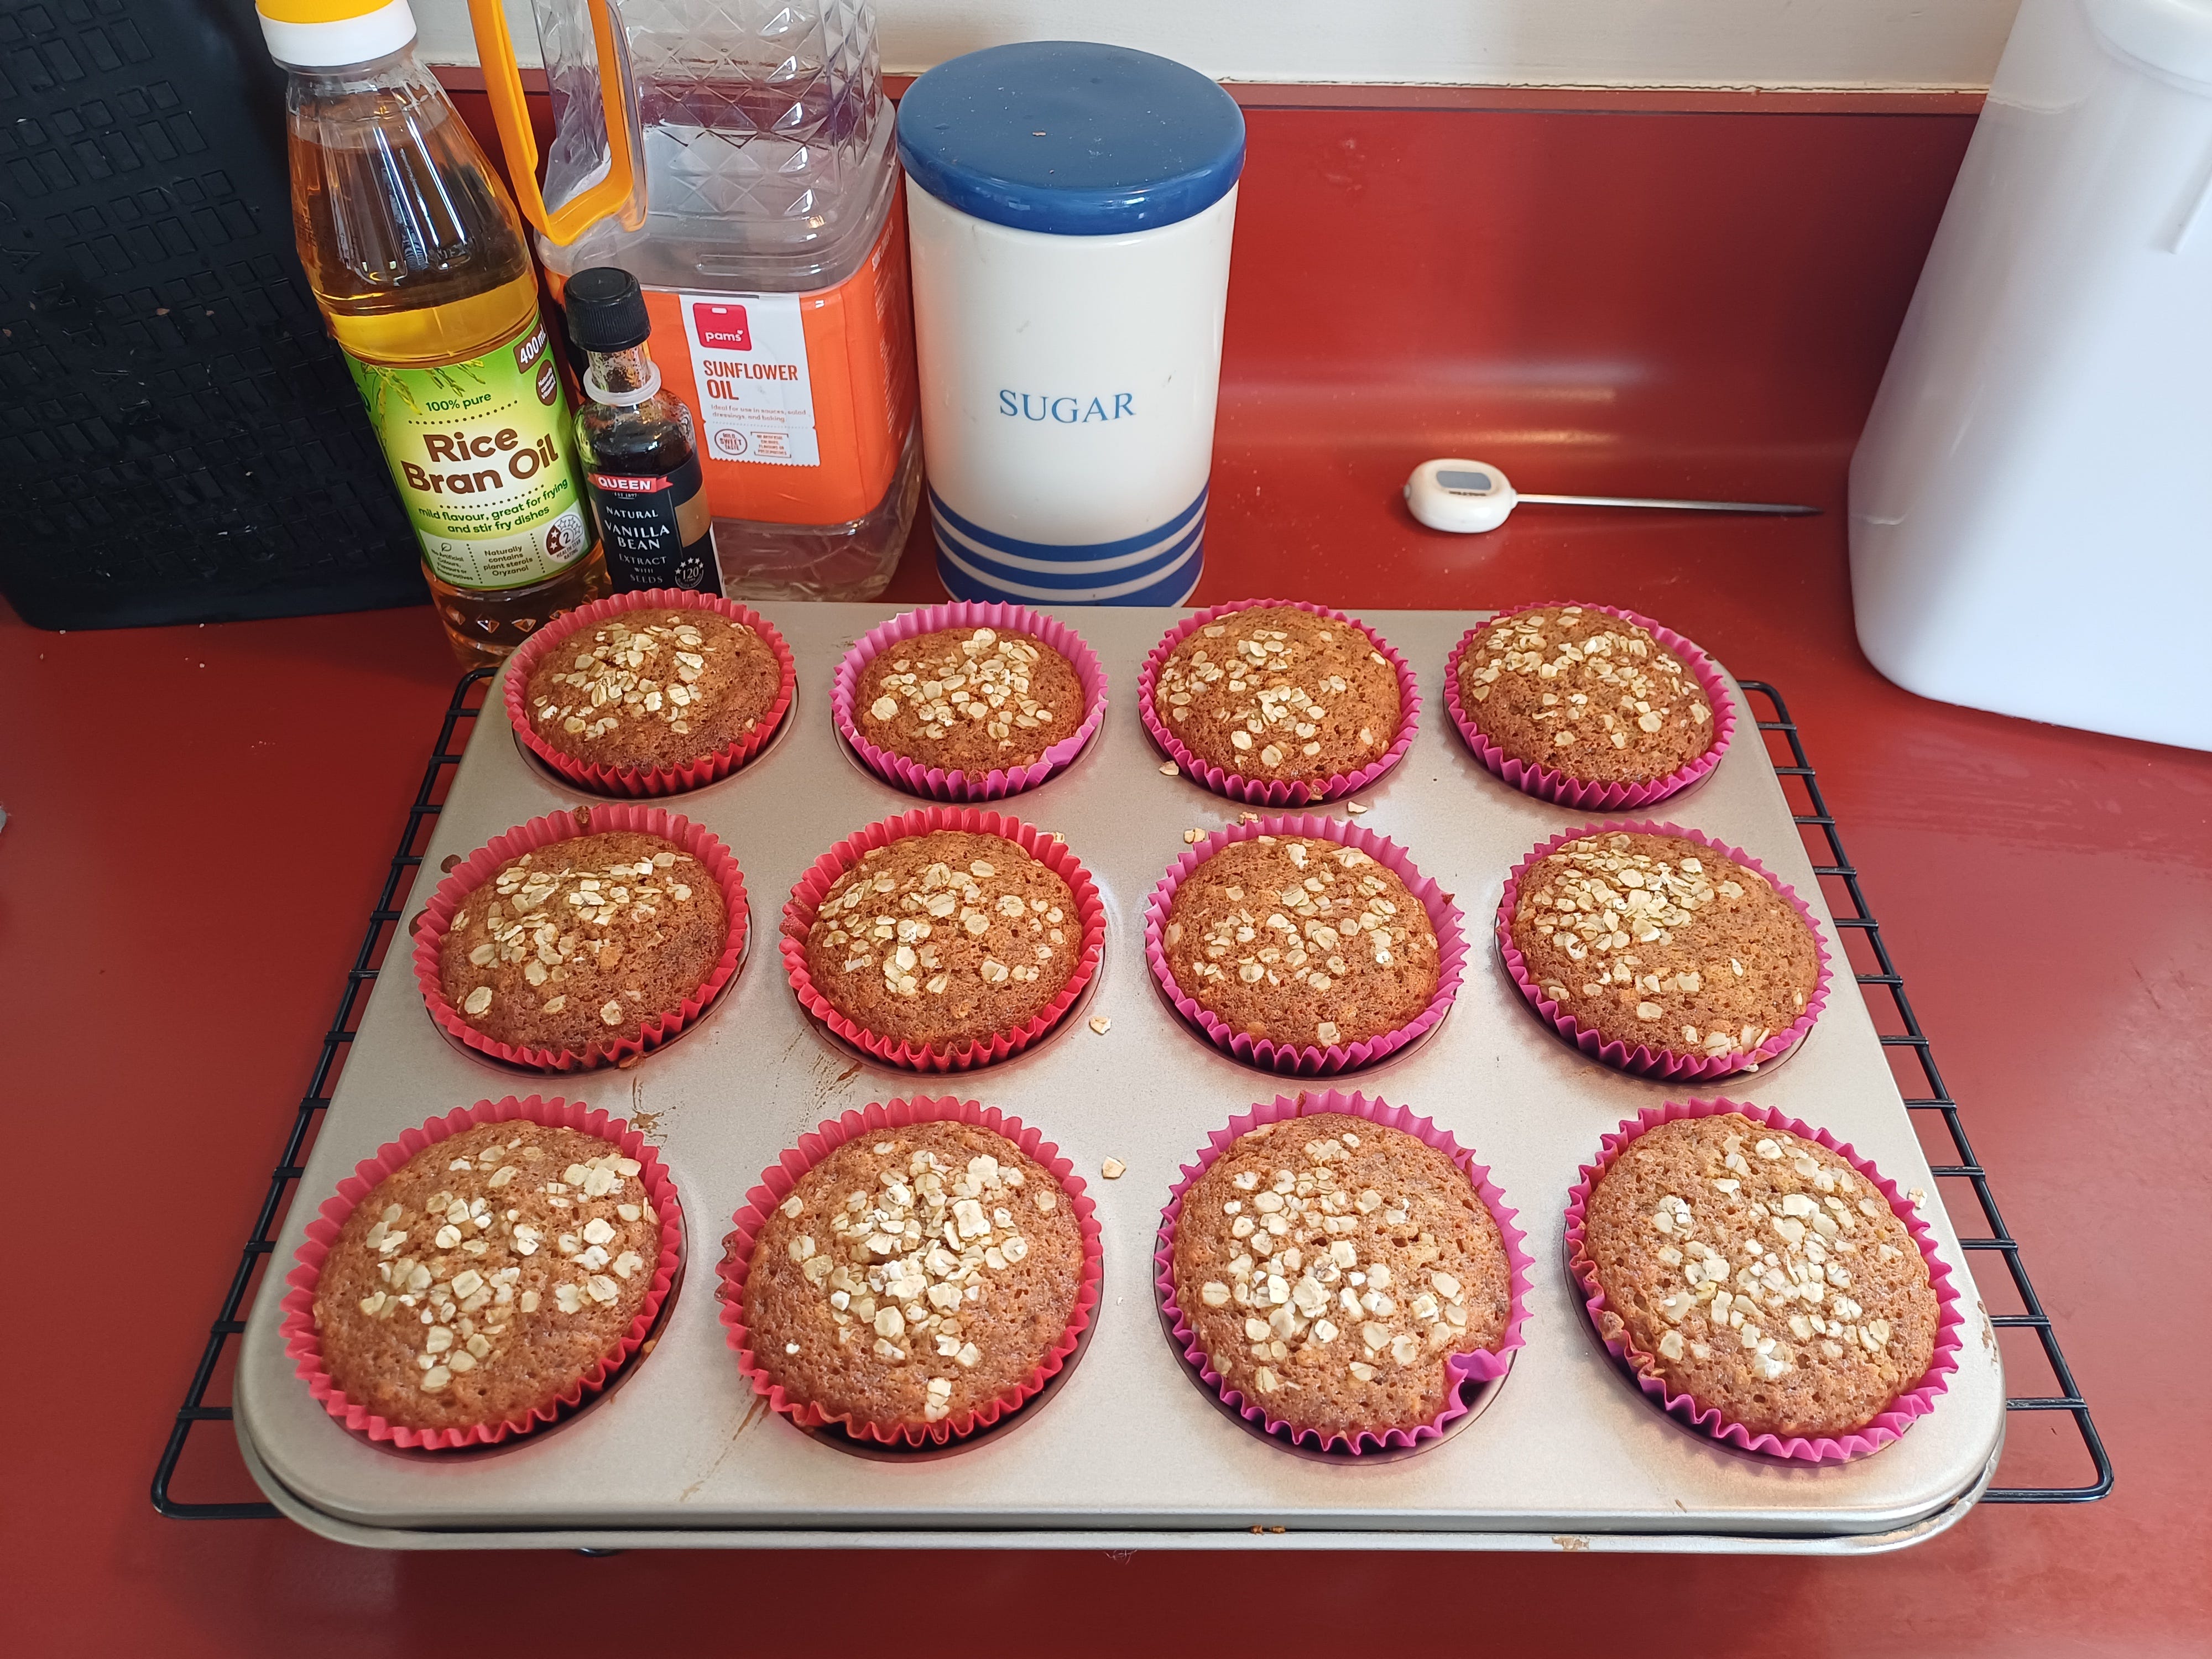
(1464, 496)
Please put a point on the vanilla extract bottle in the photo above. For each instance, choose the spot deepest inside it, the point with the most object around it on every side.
(641, 465)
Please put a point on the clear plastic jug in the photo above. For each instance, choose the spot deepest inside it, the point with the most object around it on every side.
(737, 156)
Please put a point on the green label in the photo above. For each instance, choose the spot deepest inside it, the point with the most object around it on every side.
(481, 453)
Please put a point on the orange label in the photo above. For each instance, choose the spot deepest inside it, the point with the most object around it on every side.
(804, 400)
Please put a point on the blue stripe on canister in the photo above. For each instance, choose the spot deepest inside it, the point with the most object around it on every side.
(1022, 570)
(1087, 587)
(1062, 553)
(1159, 566)
(974, 577)
(1174, 587)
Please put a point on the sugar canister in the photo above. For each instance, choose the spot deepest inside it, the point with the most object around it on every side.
(1070, 207)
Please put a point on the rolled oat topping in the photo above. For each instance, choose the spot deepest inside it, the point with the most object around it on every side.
(1328, 1264)
(942, 936)
(598, 930)
(1591, 693)
(653, 688)
(913, 1274)
(1655, 939)
(1766, 1276)
(1272, 691)
(444, 1282)
(964, 698)
(640, 672)
(1302, 940)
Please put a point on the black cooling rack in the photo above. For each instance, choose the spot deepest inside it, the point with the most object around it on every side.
(1951, 1158)
(1933, 1111)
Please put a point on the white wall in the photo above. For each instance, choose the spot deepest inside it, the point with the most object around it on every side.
(1642, 42)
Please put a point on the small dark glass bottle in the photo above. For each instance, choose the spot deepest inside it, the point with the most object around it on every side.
(635, 440)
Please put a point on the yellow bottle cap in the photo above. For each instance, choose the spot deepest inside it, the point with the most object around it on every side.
(318, 11)
(325, 34)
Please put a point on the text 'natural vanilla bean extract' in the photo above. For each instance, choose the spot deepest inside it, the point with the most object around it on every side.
(640, 464)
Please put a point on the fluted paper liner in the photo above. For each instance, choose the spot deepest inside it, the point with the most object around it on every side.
(1901, 1412)
(304, 1343)
(1310, 1059)
(648, 1033)
(806, 898)
(1643, 1060)
(1474, 1368)
(1545, 782)
(1276, 791)
(776, 1183)
(646, 781)
(935, 783)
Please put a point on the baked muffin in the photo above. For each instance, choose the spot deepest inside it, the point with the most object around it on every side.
(1657, 940)
(943, 938)
(1591, 695)
(1274, 692)
(484, 1277)
(1760, 1274)
(1326, 1266)
(1298, 940)
(583, 941)
(969, 699)
(914, 1274)
(652, 689)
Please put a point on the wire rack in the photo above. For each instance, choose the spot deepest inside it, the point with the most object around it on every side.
(1930, 1102)
(1840, 880)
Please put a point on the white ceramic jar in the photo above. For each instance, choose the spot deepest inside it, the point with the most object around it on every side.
(1069, 209)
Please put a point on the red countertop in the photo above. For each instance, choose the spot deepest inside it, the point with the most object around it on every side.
(199, 819)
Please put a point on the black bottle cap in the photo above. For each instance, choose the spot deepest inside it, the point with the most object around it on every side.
(606, 310)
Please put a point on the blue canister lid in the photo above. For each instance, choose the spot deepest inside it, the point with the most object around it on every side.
(1071, 138)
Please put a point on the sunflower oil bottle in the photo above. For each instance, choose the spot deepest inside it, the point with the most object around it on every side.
(738, 158)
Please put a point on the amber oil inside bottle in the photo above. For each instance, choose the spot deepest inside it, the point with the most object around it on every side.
(416, 255)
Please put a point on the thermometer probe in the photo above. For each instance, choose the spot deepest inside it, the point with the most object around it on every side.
(1470, 495)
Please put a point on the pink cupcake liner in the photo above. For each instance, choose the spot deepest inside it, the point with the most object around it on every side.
(1308, 1060)
(934, 781)
(775, 1185)
(303, 1341)
(1903, 1411)
(1668, 1063)
(646, 781)
(1535, 778)
(1478, 1367)
(651, 1032)
(798, 920)
(1275, 792)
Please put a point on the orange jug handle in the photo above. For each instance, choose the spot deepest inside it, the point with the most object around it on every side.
(503, 86)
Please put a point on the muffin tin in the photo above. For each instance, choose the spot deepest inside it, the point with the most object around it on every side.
(1123, 1452)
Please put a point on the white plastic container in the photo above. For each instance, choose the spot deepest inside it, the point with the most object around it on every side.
(2031, 498)
(1070, 208)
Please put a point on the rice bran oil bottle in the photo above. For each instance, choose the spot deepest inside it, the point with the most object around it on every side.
(416, 255)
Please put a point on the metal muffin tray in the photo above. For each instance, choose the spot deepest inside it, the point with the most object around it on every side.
(1122, 1451)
